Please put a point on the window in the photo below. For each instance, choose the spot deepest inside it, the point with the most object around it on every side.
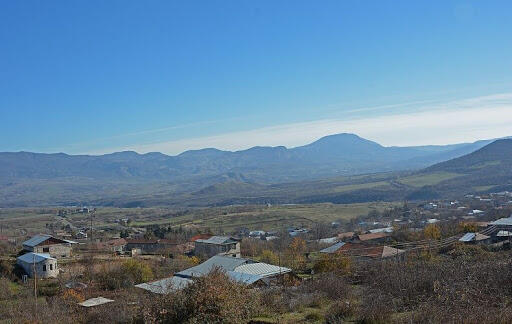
(51, 267)
(46, 249)
(44, 267)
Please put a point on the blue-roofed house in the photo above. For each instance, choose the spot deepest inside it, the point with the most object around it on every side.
(44, 243)
(40, 264)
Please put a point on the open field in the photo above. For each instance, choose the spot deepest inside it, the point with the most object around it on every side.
(429, 179)
(218, 219)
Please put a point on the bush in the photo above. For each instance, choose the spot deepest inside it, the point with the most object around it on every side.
(210, 299)
(131, 272)
(339, 312)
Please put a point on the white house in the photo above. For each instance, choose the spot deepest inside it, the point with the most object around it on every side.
(45, 266)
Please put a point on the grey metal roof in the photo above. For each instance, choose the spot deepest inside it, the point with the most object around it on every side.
(243, 278)
(504, 233)
(166, 285)
(218, 261)
(468, 237)
(36, 240)
(34, 257)
(261, 269)
(388, 229)
(333, 248)
(329, 240)
(218, 240)
(503, 221)
(95, 302)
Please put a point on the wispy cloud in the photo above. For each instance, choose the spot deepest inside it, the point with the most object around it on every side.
(440, 123)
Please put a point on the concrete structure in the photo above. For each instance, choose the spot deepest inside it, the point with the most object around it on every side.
(53, 246)
(95, 302)
(149, 246)
(44, 265)
(218, 245)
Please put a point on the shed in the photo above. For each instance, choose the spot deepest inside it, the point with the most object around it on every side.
(95, 302)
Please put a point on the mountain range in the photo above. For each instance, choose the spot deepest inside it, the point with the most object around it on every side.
(41, 179)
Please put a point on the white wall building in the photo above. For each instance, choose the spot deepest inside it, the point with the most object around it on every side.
(44, 265)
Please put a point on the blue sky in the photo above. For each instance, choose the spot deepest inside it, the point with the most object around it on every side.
(102, 76)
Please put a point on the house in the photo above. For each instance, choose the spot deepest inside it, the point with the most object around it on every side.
(81, 235)
(218, 245)
(42, 263)
(371, 252)
(503, 223)
(243, 271)
(474, 238)
(149, 246)
(43, 243)
(116, 245)
(239, 269)
(257, 233)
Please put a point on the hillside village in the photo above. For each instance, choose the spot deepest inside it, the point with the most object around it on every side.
(99, 270)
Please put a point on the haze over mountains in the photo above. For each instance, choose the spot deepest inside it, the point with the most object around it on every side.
(40, 179)
(342, 154)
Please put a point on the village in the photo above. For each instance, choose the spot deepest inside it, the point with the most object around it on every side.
(94, 265)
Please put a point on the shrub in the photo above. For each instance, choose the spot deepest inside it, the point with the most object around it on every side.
(339, 311)
(210, 299)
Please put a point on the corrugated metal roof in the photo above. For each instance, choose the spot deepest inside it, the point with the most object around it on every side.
(382, 230)
(329, 240)
(218, 261)
(166, 285)
(36, 240)
(261, 269)
(95, 302)
(504, 233)
(468, 237)
(333, 248)
(35, 257)
(217, 240)
(244, 278)
(503, 221)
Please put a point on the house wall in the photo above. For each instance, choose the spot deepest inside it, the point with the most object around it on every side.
(44, 269)
(55, 250)
(210, 250)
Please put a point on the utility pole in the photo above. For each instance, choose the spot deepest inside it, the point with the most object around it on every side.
(35, 279)
(92, 214)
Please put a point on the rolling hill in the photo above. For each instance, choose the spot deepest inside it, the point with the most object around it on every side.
(330, 169)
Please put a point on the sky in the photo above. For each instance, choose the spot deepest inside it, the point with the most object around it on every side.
(93, 77)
